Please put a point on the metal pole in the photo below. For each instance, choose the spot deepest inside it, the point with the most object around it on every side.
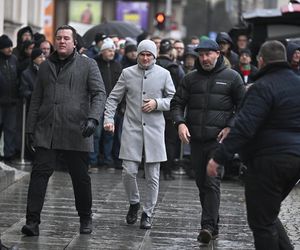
(23, 131)
(22, 161)
(168, 14)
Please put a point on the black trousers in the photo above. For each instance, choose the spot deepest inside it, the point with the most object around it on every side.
(269, 179)
(43, 167)
(209, 187)
(172, 142)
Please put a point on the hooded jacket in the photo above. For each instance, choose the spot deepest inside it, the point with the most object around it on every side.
(18, 48)
(211, 97)
(290, 50)
(230, 55)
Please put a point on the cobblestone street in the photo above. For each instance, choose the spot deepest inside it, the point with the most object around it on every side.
(175, 225)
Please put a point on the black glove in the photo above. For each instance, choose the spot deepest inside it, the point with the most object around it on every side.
(88, 127)
(29, 140)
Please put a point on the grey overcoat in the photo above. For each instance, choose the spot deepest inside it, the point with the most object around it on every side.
(142, 130)
(61, 103)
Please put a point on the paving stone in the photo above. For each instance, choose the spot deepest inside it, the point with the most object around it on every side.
(176, 221)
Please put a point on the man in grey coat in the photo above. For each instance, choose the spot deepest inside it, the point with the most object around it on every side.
(147, 89)
(65, 106)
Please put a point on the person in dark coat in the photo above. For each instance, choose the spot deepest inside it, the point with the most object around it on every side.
(25, 55)
(226, 48)
(29, 75)
(211, 94)
(130, 56)
(110, 70)
(293, 56)
(171, 137)
(24, 34)
(245, 68)
(65, 107)
(94, 50)
(266, 135)
(189, 59)
(9, 83)
(47, 48)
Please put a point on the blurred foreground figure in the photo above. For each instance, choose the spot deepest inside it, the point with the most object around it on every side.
(266, 135)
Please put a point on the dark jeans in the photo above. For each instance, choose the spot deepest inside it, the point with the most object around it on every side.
(209, 187)
(172, 142)
(43, 168)
(269, 179)
(8, 121)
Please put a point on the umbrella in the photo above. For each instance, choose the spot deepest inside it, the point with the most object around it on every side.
(119, 28)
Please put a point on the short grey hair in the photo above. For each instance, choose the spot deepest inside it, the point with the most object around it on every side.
(272, 51)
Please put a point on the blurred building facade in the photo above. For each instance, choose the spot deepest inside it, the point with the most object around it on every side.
(185, 17)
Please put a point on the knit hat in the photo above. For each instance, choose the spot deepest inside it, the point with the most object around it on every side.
(36, 53)
(149, 46)
(130, 48)
(245, 51)
(206, 45)
(100, 37)
(5, 42)
(108, 43)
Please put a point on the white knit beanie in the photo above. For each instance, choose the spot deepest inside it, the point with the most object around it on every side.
(108, 43)
(147, 45)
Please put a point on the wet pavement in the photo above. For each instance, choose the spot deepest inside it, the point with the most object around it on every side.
(175, 224)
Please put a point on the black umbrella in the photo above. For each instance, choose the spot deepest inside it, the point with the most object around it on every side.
(119, 28)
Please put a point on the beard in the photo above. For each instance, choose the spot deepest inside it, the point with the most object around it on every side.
(209, 66)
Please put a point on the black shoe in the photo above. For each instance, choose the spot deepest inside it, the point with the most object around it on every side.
(31, 229)
(86, 226)
(145, 221)
(132, 216)
(205, 236)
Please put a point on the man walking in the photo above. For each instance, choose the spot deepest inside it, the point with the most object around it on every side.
(211, 94)
(266, 134)
(65, 106)
(148, 89)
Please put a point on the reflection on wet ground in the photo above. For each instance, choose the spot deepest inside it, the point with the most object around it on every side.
(175, 223)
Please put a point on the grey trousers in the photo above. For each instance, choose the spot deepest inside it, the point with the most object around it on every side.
(130, 170)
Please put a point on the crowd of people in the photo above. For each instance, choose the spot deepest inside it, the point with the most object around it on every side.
(129, 104)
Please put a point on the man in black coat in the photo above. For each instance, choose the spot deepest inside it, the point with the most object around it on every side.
(110, 71)
(65, 106)
(8, 96)
(171, 136)
(210, 94)
(245, 68)
(266, 134)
